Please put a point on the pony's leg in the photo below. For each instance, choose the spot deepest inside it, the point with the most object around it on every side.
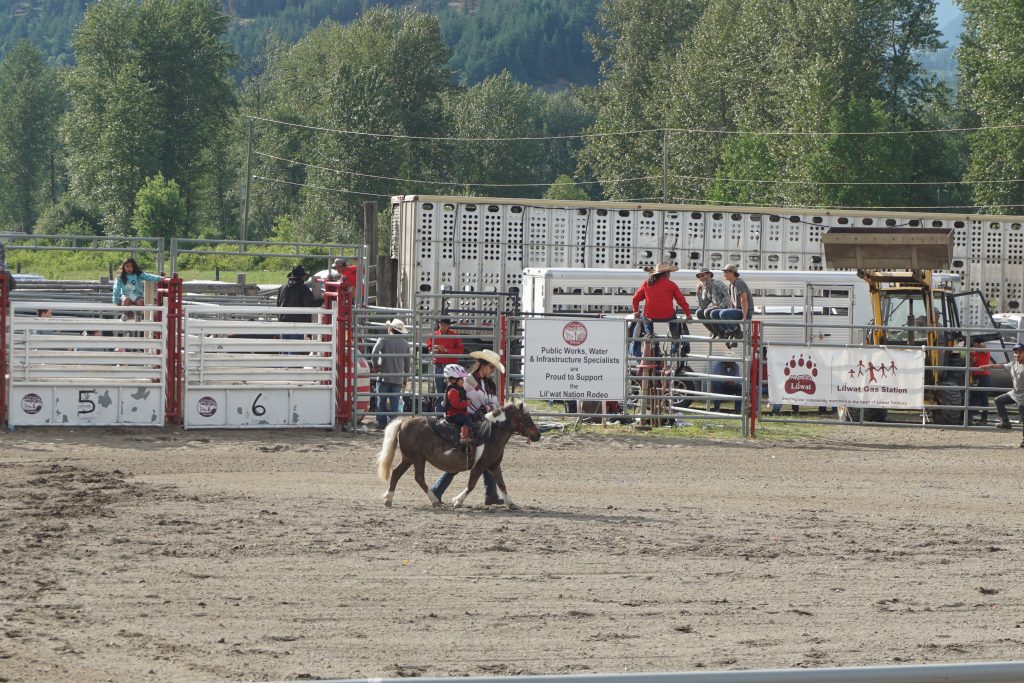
(474, 475)
(419, 473)
(396, 474)
(500, 481)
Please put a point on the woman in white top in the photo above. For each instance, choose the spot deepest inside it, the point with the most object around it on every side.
(482, 392)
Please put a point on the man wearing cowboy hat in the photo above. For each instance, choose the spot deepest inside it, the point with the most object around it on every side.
(392, 357)
(295, 294)
(661, 296)
(712, 295)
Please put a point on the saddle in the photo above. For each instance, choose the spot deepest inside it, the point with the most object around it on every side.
(450, 431)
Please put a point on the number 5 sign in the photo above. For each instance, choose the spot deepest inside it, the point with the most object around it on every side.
(305, 407)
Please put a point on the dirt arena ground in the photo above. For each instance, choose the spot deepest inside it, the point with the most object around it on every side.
(201, 556)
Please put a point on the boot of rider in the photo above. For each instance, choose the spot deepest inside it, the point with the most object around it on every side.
(468, 444)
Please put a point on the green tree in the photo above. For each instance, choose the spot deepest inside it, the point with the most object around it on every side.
(499, 107)
(149, 95)
(991, 59)
(159, 209)
(636, 40)
(380, 79)
(565, 188)
(30, 107)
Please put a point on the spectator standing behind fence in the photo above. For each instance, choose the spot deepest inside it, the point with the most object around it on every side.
(482, 392)
(981, 381)
(446, 347)
(295, 293)
(392, 357)
(128, 285)
(712, 295)
(741, 305)
(731, 387)
(1016, 395)
(660, 296)
(4, 274)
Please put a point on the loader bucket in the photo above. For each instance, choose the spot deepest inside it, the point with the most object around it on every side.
(888, 248)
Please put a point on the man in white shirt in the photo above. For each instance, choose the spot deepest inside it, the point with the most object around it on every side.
(1016, 395)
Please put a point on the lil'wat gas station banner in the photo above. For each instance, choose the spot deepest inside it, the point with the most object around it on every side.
(856, 378)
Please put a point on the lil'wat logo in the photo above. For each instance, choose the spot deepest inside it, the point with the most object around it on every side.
(800, 373)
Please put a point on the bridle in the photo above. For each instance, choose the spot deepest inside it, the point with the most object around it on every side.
(515, 415)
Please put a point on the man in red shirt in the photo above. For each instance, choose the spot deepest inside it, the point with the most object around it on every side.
(981, 380)
(661, 295)
(447, 348)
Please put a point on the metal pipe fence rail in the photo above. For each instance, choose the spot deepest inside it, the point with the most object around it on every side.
(954, 387)
(981, 672)
(85, 364)
(243, 367)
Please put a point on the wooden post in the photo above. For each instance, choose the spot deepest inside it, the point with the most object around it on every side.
(370, 239)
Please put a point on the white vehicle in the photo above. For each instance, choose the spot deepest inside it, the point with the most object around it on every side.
(802, 298)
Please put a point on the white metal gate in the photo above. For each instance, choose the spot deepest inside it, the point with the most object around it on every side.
(243, 368)
(81, 364)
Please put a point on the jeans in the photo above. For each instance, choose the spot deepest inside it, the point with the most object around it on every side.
(440, 386)
(705, 314)
(979, 394)
(1001, 403)
(726, 314)
(442, 483)
(675, 329)
(387, 400)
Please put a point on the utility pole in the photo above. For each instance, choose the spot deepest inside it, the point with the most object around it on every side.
(248, 181)
(664, 166)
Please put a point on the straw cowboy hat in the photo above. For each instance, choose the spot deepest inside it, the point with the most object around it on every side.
(665, 268)
(396, 325)
(489, 357)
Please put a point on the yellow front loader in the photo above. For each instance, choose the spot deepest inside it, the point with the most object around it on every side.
(899, 266)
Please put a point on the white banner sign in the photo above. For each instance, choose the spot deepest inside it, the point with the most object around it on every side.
(582, 360)
(857, 378)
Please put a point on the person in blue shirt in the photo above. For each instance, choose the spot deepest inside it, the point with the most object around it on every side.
(128, 284)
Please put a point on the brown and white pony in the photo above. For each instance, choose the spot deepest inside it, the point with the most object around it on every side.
(419, 444)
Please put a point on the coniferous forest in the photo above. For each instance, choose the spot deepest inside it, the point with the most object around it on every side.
(141, 117)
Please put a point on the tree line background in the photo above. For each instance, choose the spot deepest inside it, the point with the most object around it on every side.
(140, 117)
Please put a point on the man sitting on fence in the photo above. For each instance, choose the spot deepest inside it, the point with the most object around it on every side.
(712, 295)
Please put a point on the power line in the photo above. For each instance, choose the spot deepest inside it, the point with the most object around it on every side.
(428, 138)
(318, 187)
(647, 177)
(450, 183)
(697, 131)
(687, 200)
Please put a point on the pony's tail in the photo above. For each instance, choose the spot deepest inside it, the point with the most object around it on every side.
(386, 457)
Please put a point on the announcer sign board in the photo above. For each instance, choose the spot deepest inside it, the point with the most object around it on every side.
(856, 378)
(580, 360)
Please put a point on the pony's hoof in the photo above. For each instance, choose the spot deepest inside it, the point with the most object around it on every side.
(512, 506)
(387, 503)
(438, 504)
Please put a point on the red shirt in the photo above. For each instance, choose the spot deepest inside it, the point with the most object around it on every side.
(661, 299)
(456, 401)
(980, 358)
(447, 342)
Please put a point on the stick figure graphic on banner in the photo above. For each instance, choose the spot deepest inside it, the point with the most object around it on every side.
(860, 368)
(871, 372)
